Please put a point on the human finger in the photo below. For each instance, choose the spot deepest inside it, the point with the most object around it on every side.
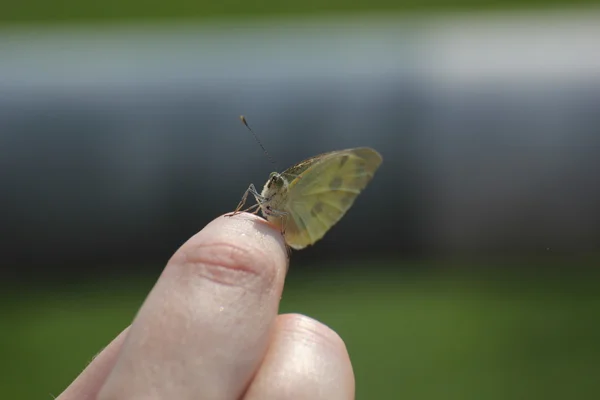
(204, 328)
(305, 360)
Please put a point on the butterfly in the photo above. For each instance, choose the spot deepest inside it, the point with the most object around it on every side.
(307, 199)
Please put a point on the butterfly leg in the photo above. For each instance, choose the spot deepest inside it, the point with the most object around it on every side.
(284, 218)
(257, 206)
(259, 199)
(284, 224)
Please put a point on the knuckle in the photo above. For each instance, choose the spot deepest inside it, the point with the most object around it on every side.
(228, 264)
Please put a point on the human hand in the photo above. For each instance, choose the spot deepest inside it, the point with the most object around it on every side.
(209, 329)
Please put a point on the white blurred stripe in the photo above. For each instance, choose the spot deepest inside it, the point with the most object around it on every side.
(448, 49)
(512, 47)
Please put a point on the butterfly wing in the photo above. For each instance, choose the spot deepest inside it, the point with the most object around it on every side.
(323, 190)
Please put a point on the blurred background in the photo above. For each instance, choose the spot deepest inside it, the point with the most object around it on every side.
(466, 270)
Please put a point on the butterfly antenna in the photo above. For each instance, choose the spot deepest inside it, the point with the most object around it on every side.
(257, 140)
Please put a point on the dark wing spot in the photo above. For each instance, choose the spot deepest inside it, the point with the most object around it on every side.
(317, 208)
(336, 183)
(343, 160)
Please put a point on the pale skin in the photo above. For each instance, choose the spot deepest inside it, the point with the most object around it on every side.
(210, 329)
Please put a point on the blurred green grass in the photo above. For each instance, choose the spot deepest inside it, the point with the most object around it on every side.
(419, 335)
(110, 10)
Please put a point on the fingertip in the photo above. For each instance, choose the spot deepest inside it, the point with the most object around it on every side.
(244, 222)
(245, 217)
(247, 229)
(243, 229)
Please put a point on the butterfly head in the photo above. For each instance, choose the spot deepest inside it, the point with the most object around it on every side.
(273, 192)
(275, 182)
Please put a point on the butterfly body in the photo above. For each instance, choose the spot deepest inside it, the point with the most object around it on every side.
(306, 200)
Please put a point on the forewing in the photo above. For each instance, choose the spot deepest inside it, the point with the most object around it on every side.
(297, 170)
(320, 196)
